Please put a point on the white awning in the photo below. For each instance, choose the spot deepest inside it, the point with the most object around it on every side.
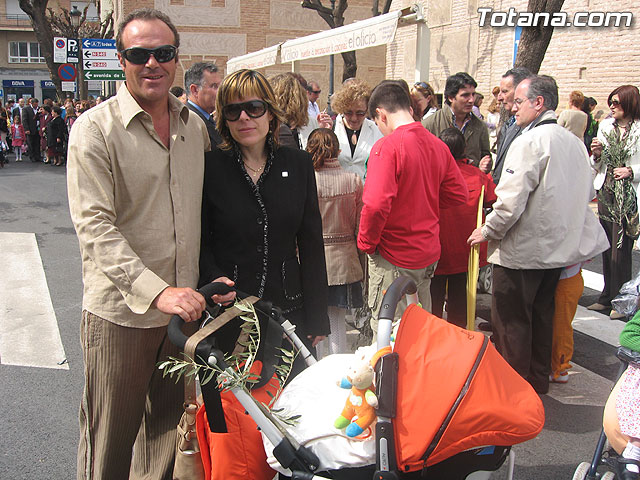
(260, 59)
(372, 32)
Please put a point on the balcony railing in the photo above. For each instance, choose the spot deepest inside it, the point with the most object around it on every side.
(25, 21)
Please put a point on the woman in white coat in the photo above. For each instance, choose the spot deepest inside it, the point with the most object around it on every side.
(616, 159)
(355, 132)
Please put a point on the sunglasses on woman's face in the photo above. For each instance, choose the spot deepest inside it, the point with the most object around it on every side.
(614, 103)
(253, 108)
(140, 56)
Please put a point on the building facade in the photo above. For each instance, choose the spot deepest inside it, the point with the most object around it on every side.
(594, 60)
(216, 30)
(23, 71)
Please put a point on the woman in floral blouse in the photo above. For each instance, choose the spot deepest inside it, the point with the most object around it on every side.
(616, 159)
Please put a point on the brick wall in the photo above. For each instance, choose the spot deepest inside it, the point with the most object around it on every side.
(221, 29)
(593, 60)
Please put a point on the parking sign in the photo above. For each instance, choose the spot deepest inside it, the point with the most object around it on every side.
(73, 50)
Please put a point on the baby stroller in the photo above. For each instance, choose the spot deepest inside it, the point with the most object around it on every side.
(605, 455)
(458, 442)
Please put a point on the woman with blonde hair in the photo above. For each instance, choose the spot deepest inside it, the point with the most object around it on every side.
(574, 119)
(340, 200)
(424, 101)
(292, 100)
(261, 226)
(355, 132)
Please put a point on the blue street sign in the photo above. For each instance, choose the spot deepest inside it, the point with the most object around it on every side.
(516, 43)
(47, 84)
(98, 43)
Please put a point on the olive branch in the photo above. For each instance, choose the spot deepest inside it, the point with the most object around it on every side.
(239, 374)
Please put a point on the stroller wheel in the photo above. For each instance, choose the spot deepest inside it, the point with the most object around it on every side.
(582, 471)
(608, 476)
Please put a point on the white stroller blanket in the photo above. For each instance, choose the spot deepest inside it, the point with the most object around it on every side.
(315, 396)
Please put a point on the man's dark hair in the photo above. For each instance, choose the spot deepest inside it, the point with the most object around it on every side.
(146, 14)
(176, 91)
(390, 95)
(34, 100)
(518, 74)
(193, 76)
(46, 108)
(57, 109)
(454, 139)
(546, 87)
(455, 83)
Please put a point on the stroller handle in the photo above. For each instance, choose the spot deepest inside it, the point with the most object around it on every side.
(176, 323)
(400, 287)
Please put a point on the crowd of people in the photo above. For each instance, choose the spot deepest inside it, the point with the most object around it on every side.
(246, 181)
(39, 131)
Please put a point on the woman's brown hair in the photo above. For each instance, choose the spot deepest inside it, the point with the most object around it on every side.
(245, 84)
(629, 100)
(322, 144)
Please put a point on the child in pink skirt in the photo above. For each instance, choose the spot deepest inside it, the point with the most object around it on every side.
(17, 137)
(628, 403)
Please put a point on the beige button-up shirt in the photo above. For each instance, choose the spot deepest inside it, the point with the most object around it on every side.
(136, 206)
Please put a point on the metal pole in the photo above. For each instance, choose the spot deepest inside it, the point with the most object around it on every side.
(331, 71)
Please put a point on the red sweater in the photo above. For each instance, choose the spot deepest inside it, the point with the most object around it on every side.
(410, 176)
(457, 223)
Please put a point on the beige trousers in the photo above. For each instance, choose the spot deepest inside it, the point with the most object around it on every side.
(382, 273)
(126, 404)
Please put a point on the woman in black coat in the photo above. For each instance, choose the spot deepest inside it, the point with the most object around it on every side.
(261, 225)
(56, 137)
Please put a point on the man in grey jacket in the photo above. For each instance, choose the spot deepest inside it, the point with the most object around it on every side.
(510, 129)
(540, 223)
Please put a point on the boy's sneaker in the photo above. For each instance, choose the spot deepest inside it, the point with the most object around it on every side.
(562, 377)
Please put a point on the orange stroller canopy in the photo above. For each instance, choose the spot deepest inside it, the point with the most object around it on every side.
(455, 392)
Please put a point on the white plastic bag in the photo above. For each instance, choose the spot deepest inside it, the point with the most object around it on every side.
(626, 302)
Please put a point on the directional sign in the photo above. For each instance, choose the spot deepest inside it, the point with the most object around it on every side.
(101, 65)
(73, 50)
(59, 50)
(67, 72)
(104, 75)
(100, 54)
(98, 43)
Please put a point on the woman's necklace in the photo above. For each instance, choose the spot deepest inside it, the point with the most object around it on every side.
(254, 170)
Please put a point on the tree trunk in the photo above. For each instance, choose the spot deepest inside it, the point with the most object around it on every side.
(535, 40)
(37, 11)
(350, 65)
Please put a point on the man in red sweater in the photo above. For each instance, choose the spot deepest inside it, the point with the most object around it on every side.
(410, 176)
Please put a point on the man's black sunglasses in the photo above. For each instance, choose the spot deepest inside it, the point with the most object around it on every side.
(253, 108)
(140, 56)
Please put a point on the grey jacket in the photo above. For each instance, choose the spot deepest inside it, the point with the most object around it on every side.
(507, 135)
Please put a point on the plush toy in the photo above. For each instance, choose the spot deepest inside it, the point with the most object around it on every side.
(362, 401)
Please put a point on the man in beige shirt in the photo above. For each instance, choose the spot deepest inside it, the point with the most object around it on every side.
(135, 175)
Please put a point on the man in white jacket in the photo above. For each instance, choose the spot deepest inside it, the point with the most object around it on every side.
(540, 223)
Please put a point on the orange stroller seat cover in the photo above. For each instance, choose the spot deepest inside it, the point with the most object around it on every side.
(238, 454)
(456, 392)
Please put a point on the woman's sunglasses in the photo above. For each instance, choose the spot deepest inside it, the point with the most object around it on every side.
(614, 103)
(253, 108)
(140, 56)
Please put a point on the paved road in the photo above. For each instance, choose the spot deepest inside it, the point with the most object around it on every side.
(38, 404)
